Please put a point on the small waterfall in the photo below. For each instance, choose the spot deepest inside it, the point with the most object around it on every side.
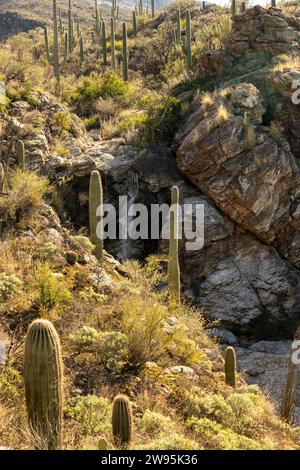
(125, 246)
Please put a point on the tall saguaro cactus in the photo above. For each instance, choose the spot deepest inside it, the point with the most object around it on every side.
(134, 23)
(43, 374)
(188, 45)
(66, 47)
(56, 64)
(178, 27)
(273, 3)
(233, 8)
(112, 43)
(230, 366)
(95, 202)
(125, 53)
(46, 37)
(81, 50)
(173, 266)
(104, 44)
(97, 19)
(122, 421)
(20, 152)
(70, 27)
(152, 8)
(288, 401)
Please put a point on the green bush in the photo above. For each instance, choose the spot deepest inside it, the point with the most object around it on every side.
(110, 347)
(154, 423)
(108, 85)
(51, 290)
(92, 414)
(163, 121)
(9, 285)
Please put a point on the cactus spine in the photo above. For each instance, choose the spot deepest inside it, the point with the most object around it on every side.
(288, 401)
(56, 65)
(152, 8)
(46, 36)
(134, 24)
(104, 46)
(121, 421)
(230, 366)
(81, 50)
(20, 151)
(173, 266)
(112, 43)
(178, 27)
(95, 202)
(43, 374)
(125, 53)
(188, 44)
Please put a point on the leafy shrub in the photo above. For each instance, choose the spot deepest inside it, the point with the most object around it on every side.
(110, 347)
(108, 85)
(92, 414)
(163, 121)
(63, 120)
(51, 290)
(9, 285)
(89, 294)
(25, 197)
(172, 441)
(154, 423)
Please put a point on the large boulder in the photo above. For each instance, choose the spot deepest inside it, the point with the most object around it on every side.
(250, 175)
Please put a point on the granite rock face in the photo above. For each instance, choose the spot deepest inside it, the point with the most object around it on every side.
(263, 29)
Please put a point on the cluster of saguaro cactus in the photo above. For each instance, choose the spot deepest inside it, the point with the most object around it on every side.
(288, 401)
(43, 375)
(173, 265)
(122, 421)
(20, 154)
(125, 53)
(56, 64)
(230, 366)
(95, 203)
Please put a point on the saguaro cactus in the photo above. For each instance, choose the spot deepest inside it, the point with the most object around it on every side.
(43, 374)
(2, 177)
(70, 27)
(20, 151)
(125, 53)
(273, 3)
(188, 44)
(95, 202)
(233, 8)
(173, 266)
(56, 65)
(152, 8)
(97, 19)
(104, 45)
(81, 50)
(66, 47)
(288, 401)
(122, 421)
(243, 7)
(46, 37)
(230, 366)
(178, 27)
(134, 23)
(112, 43)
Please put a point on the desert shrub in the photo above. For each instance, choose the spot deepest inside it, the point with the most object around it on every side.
(154, 423)
(163, 121)
(63, 120)
(108, 85)
(9, 285)
(92, 414)
(84, 242)
(71, 257)
(109, 347)
(25, 196)
(213, 436)
(172, 441)
(89, 294)
(51, 291)
(276, 130)
(92, 122)
(47, 250)
(10, 384)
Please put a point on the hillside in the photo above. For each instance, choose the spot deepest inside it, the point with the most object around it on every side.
(191, 105)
